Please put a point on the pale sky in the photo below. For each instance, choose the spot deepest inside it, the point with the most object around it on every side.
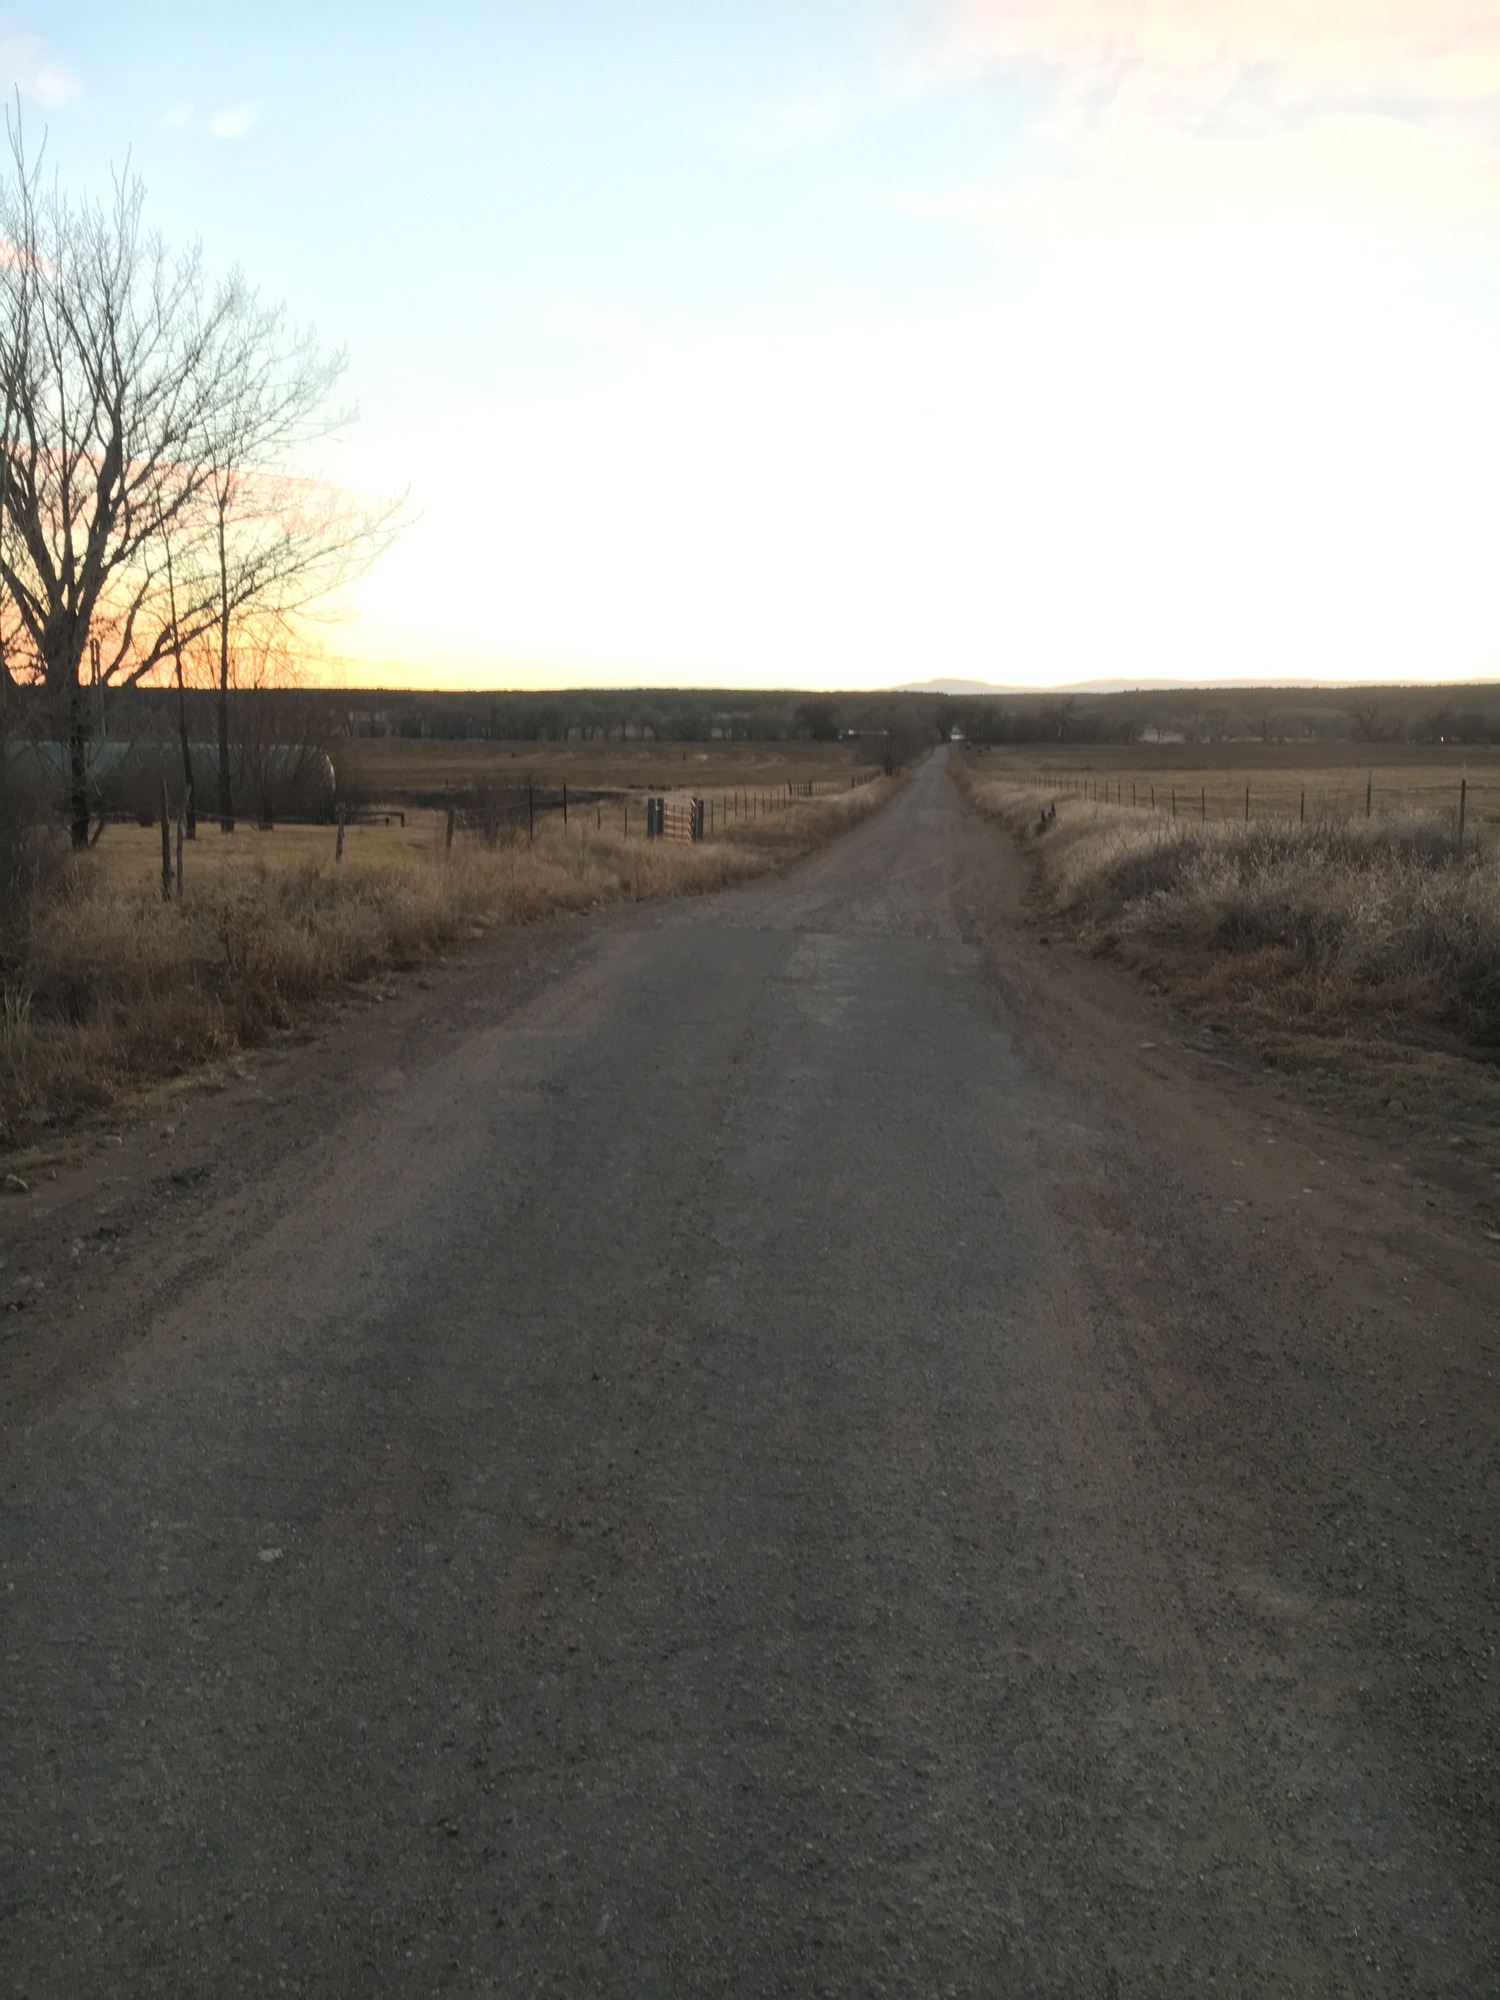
(804, 342)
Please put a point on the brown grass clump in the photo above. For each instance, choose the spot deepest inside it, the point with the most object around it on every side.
(1318, 923)
(109, 986)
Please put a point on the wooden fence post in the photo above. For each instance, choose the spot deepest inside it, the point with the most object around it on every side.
(448, 830)
(1247, 805)
(565, 807)
(1369, 789)
(1463, 800)
(180, 816)
(1302, 808)
(338, 845)
(166, 848)
(530, 814)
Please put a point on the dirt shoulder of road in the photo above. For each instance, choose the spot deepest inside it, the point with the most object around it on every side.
(1402, 1085)
(1397, 1199)
(121, 1218)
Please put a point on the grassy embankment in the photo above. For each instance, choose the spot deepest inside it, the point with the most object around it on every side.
(1365, 951)
(110, 987)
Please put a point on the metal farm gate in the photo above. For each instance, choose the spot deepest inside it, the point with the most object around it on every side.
(674, 819)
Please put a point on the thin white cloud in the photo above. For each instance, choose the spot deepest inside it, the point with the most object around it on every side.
(26, 66)
(233, 121)
(1188, 58)
(1365, 117)
(177, 117)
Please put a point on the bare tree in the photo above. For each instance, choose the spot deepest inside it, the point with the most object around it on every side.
(147, 457)
(281, 730)
(272, 542)
(108, 385)
(900, 734)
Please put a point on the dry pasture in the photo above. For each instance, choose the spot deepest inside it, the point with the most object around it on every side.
(393, 767)
(1364, 954)
(1284, 779)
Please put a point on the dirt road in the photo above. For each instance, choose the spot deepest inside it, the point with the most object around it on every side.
(803, 1442)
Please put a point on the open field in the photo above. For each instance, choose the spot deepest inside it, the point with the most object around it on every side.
(391, 767)
(1284, 779)
(1364, 951)
(129, 856)
(117, 987)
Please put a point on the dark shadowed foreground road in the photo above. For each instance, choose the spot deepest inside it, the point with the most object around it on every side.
(791, 1444)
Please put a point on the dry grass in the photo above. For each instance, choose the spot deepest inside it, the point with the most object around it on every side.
(393, 767)
(1326, 780)
(1340, 928)
(116, 987)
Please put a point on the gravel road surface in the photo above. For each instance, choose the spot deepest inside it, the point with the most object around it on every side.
(800, 1442)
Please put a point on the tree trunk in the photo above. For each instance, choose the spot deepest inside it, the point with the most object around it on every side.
(78, 770)
(226, 791)
(190, 816)
(226, 794)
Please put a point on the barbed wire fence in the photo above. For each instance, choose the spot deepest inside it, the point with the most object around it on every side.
(1465, 800)
(493, 814)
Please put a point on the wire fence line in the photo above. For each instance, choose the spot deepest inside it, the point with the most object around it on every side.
(495, 813)
(1463, 799)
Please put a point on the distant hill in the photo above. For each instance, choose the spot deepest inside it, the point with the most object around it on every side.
(1241, 683)
(951, 687)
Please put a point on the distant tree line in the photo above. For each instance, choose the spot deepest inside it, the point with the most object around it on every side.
(890, 726)
(1468, 714)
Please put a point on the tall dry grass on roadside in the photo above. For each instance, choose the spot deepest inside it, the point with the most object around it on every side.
(106, 986)
(1339, 918)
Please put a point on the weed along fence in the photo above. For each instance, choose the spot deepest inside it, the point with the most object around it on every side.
(1280, 795)
(677, 818)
